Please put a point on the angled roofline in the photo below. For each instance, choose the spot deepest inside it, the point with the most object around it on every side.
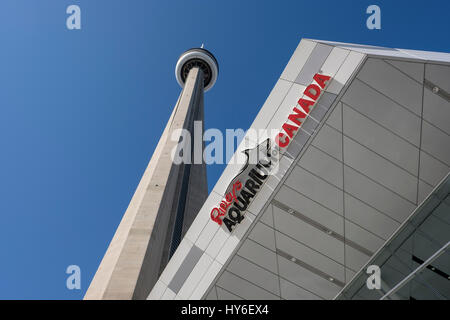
(391, 53)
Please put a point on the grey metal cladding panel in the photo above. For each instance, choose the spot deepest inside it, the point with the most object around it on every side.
(326, 100)
(290, 291)
(436, 142)
(392, 276)
(308, 235)
(376, 196)
(335, 118)
(362, 237)
(436, 230)
(298, 143)
(383, 111)
(324, 103)
(316, 189)
(258, 254)
(437, 282)
(431, 170)
(380, 140)
(323, 165)
(421, 292)
(444, 261)
(439, 75)
(225, 295)
(311, 257)
(369, 218)
(366, 294)
(264, 235)
(243, 288)
(349, 274)
(436, 110)
(313, 64)
(329, 140)
(318, 112)
(212, 294)
(310, 125)
(442, 212)
(424, 190)
(380, 170)
(310, 209)
(424, 248)
(402, 260)
(255, 274)
(267, 216)
(354, 259)
(185, 268)
(307, 279)
(412, 69)
(394, 84)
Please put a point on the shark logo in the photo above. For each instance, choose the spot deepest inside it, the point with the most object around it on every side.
(260, 162)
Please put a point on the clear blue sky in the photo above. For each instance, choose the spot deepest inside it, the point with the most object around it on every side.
(81, 111)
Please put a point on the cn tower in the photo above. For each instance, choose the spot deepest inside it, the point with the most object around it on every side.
(168, 197)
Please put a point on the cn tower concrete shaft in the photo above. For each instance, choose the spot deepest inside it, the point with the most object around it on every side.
(165, 203)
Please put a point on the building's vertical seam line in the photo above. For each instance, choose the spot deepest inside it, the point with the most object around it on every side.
(343, 189)
(418, 166)
(420, 135)
(276, 247)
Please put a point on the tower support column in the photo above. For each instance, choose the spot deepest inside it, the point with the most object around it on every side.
(144, 240)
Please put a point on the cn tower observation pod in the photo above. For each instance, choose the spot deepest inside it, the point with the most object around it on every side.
(197, 57)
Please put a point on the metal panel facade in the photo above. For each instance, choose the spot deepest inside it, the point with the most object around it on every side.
(371, 150)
